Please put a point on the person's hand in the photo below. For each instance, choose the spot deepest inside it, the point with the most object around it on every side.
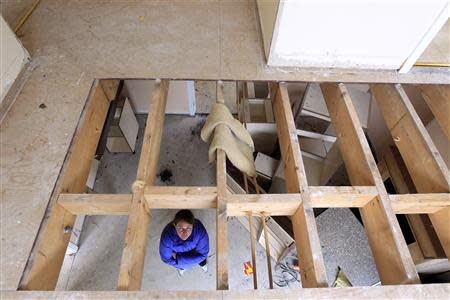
(174, 255)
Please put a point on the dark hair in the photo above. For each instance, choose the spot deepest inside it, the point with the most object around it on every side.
(184, 215)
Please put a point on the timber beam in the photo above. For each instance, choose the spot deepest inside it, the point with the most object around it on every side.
(239, 204)
(132, 264)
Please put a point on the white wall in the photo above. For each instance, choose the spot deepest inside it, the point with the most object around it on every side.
(12, 58)
(180, 98)
(352, 33)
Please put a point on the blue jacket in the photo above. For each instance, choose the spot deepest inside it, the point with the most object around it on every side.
(189, 252)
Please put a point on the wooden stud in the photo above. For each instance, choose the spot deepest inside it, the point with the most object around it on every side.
(269, 262)
(132, 264)
(47, 255)
(186, 197)
(437, 96)
(423, 161)
(221, 223)
(252, 244)
(221, 211)
(391, 254)
(306, 237)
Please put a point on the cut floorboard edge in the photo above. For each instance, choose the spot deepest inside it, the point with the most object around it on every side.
(416, 291)
(237, 205)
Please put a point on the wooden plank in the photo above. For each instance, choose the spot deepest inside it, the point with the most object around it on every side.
(44, 264)
(266, 239)
(393, 260)
(342, 196)
(382, 168)
(416, 252)
(110, 88)
(438, 99)
(420, 224)
(240, 204)
(387, 292)
(426, 167)
(420, 203)
(427, 265)
(132, 264)
(221, 223)
(96, 204)
(433, 265)
(275, 204)
(252, 246)
(318, 136)
(181, 197)
(306, 237)
(221, 210)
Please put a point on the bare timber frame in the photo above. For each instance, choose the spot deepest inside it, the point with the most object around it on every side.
(393, 258)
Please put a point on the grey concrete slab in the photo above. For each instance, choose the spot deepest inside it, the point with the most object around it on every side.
(344, 244)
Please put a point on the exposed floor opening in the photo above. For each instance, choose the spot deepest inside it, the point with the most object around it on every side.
(345, 240)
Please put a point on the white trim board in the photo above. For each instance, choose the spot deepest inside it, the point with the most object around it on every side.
(426, 39)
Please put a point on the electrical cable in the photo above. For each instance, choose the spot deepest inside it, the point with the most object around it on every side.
(285, 274)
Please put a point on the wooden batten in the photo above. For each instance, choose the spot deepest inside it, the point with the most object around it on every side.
(306, 236)
(391, 254)
(423, 161)
(132, 264)
(44, 264)
(221, 223)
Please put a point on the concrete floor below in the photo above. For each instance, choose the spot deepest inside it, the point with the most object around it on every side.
(184, 161)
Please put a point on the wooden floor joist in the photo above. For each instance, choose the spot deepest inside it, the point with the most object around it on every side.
(132, 264)
(437, 97)
(44, 265)
(423, 161)
(221, 211)
(424, 234)
(391, 254)
(303, 222)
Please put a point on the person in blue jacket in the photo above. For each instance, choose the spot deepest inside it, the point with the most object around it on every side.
(184, 242)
